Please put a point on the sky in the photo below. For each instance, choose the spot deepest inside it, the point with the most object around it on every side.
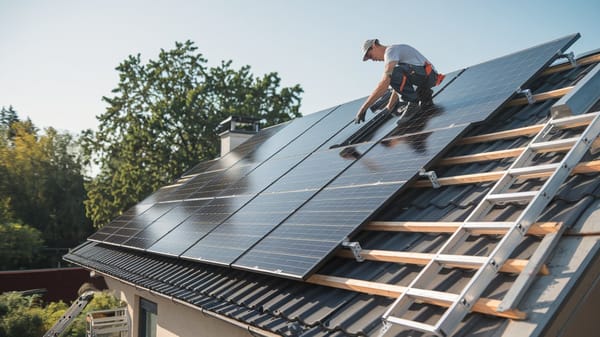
(58, 58)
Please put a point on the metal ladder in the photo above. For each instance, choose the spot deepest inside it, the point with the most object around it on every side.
(70, 315)
(459, 305)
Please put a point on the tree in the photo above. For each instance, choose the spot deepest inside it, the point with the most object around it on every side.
(162, 119)
(41, 183)
(20, 245)
(20, 315)
(8, 116)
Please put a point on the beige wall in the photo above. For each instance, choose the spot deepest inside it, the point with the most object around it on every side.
(174, 319)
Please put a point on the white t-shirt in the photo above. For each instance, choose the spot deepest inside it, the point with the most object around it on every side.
(403, 53)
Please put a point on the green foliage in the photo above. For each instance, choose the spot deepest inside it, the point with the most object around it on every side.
(8, 116)
(41, 183)
(52, 312)
(20, 245)
(24, 316)
(20, 316)
(162, 120)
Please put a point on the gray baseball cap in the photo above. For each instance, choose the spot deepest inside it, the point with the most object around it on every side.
(366, 46)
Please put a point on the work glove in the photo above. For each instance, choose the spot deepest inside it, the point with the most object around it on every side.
(360, 117)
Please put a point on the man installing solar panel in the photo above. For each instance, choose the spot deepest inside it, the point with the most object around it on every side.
(407, 72)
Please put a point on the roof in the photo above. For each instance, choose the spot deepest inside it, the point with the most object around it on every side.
(310, 308)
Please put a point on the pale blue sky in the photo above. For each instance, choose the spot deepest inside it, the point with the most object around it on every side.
(58, 57)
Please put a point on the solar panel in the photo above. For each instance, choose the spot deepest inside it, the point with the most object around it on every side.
(137, 223)
(119, 222)
(181, 236)
(240, 231)
(320, 225)
(251, 155)
(145, 237)
(481, 89)
(209, 169)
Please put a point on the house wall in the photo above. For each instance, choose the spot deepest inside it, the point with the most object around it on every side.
(174, 319)
(579, 315)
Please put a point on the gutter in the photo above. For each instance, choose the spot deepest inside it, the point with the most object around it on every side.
(252, 330)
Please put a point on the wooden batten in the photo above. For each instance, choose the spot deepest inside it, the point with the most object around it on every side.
(566, 66)
(510, 266)
(500, 135)
(587, 167)
(500, 154)
(541, 96)
(538, 228)
(513, 133)
(480, 157)
(483, 305)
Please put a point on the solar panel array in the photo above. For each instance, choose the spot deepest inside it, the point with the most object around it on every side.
(282, 202)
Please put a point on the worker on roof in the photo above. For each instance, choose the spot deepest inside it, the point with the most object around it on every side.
(405, 69)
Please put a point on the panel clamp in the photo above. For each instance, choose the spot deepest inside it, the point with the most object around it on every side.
(569, 56)
(431, 176)
(355, 248)
(528, 95)
(384, 328)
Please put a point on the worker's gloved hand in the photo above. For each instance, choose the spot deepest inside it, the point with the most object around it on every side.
(360, 117)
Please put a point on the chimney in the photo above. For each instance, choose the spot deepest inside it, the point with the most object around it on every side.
(235, 130)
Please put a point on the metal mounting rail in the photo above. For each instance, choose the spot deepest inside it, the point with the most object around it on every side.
(535, 201)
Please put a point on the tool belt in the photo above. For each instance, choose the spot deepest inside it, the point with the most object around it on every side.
(424, 75)
(438, 77)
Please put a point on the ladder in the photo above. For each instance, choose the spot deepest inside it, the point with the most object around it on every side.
(459, 305)
(70, 315)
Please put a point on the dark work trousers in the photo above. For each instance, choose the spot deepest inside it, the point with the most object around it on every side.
(405, 77)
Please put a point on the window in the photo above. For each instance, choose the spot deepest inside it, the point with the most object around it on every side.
(148, 315)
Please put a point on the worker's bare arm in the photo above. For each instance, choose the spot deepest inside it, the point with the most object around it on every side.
(392, 102)
(379, 91)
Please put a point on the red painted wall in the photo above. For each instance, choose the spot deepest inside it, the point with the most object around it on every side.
(60, 283)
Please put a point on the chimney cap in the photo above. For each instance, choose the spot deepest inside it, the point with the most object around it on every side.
(239, 124)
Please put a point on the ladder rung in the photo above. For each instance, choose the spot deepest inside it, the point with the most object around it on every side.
(571, 120)
(467, 260)
(413, 324)
(519, 171)
(552, 144)
(517, 196)
(491, 225)
(432, 296)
